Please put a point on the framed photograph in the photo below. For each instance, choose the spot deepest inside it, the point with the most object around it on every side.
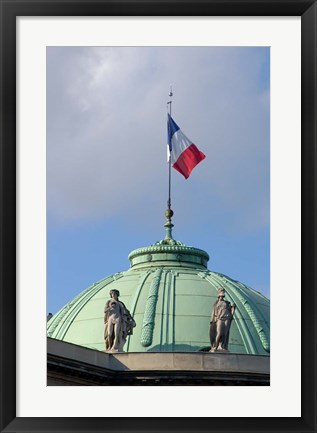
(42, 42)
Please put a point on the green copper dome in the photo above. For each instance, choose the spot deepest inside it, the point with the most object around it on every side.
(169, 292)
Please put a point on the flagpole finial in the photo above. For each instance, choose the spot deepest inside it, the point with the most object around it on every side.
(169, 225)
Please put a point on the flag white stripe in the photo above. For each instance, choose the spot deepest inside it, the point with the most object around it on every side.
(179, 143)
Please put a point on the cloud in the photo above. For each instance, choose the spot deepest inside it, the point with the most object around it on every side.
(106, 132)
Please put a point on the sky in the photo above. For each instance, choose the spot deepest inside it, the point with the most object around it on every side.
(107, 171)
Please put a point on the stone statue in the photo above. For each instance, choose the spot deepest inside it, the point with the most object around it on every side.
(221, 318)
(118, 323)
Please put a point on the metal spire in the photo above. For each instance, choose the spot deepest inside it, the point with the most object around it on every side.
(169, 213)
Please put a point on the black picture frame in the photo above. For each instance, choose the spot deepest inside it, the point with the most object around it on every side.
(10, 9)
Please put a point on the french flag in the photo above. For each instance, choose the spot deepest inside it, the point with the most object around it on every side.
(183, 153)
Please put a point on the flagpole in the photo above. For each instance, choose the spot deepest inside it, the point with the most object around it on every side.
(169, 162)
(169, 213)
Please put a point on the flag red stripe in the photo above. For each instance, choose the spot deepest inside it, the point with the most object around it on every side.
(188, 160)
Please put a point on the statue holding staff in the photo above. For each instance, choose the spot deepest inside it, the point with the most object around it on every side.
(221, 318)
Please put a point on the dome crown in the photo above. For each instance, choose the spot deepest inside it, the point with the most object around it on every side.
(168, 252)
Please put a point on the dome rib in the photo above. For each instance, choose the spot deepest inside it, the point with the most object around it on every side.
(150, 307)
(254, 313)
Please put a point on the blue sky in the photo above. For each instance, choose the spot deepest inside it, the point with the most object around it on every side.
(107, 175)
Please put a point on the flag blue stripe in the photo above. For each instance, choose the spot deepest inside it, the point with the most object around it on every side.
(172, 127)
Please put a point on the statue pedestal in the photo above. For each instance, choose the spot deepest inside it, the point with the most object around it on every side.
(114, 351)
(219, 351)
